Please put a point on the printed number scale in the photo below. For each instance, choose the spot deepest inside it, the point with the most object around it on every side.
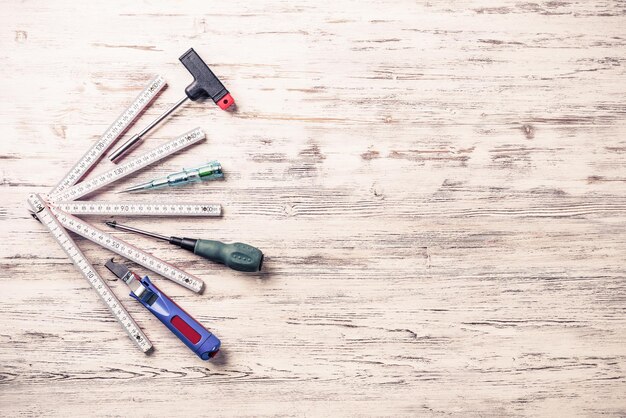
(121, 125)
(55, 211)
(137, 209)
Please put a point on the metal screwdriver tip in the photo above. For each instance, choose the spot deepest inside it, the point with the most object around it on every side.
(134, 188)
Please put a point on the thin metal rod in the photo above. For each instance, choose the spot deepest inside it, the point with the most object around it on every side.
(163, 116)
(126, 146)
(114, 224)
(141, 186)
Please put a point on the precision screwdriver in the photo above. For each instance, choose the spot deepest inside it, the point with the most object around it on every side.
(208, 171)
(205, 84)
(238, 256)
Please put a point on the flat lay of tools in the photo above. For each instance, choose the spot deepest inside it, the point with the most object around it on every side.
(57, 212)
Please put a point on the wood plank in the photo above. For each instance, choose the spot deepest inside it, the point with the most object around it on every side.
(439, 189)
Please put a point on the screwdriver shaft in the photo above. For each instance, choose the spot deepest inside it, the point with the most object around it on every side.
(114, 224)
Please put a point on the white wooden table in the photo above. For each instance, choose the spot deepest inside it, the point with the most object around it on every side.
(439, 189)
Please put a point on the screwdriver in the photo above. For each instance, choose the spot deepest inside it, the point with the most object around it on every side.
(205, 84)
(208, 171)
(237, 256)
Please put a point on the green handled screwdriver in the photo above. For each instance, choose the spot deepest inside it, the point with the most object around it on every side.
(237, 256)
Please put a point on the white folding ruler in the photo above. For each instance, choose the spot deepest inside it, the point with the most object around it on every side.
(86, 269)
(123, 170)
(78, 207)
(121, 125)
(56, 210)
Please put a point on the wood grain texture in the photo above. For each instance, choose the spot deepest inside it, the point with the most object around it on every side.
(439, 188)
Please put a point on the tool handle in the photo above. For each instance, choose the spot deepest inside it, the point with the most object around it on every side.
(209, 171)
(205, 83)
(184, 326)
(237, 256)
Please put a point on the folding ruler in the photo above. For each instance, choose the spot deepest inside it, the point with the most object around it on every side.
(56, 211)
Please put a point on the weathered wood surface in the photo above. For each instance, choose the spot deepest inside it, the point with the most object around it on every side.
(439, 187)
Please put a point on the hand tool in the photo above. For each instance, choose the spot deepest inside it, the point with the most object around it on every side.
(50, 212)
(78, 207)
(45, 216)
(151, 157)
(237, 256)
(205, 84)
(128, 251)
(184, 326)
(117, 129)
(208, 171)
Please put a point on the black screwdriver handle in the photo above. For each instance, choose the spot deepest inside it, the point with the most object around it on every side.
(205, 83)
(237, 256)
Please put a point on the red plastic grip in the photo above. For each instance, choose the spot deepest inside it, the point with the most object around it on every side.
(186, 329)
(226, 102)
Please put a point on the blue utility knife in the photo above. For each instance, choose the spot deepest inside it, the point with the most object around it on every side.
(187, 329)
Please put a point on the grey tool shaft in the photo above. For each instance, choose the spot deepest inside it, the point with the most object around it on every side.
(135, 139)
(115, 225)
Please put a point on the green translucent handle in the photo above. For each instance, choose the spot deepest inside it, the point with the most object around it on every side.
(237, 256)
(210, 171)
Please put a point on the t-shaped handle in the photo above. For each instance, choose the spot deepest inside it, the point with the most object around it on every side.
(205, 83)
